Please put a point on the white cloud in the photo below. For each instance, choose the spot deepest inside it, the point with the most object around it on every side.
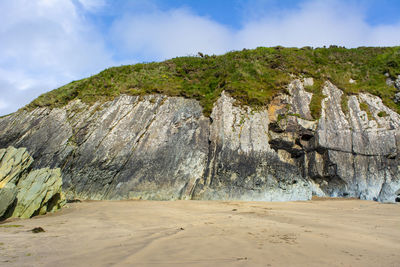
(93, 5)
(164, 34)
(315, 23)
(45, 44)
(161, 35)
(385, 35)
(3, 104)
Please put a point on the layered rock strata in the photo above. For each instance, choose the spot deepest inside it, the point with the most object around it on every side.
(163, 148)
(25, 192)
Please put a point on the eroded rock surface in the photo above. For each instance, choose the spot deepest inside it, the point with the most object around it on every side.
(351, 153)
(158, 147)
(25, 192)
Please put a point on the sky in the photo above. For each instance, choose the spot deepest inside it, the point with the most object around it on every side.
(45, 44)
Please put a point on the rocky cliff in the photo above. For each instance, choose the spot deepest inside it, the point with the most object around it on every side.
(159, 147)
(25, 192)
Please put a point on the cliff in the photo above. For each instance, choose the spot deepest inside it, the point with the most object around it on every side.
(300, 142)
(159, 147)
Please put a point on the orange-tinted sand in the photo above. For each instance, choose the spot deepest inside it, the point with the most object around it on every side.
(200, 233)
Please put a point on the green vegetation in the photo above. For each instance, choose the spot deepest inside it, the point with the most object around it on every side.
(294, 115)
(252, 77)
(382, 114)
(315, 104)
(365, 107)
(344, 103)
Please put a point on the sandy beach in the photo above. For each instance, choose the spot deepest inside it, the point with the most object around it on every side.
(199, 233)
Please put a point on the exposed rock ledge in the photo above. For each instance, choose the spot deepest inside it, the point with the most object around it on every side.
(24, 192)
(158, 147)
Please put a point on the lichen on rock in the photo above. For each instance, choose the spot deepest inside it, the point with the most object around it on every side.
(25, 192)
(164, 148)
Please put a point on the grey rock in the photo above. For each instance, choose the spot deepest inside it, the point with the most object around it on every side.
(397, 98)
(397, 82)
(8, 196)
(242, 165)
(372, 137)
(39, 193)
(25, 192)
(300, 99)
(362, 155)
(163, 148)
(391, 82)
(14, 163)
(334, 131)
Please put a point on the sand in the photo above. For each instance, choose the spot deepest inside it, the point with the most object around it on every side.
(201, 233)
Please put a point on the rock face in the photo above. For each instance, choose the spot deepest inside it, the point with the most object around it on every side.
(158, 147)
(7, 197)
(25, 192)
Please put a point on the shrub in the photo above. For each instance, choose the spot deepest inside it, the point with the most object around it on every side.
(382, 114)
(252, 77)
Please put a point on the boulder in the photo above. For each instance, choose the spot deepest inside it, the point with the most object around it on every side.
(38, 193)
(25, 192)
(7, 198)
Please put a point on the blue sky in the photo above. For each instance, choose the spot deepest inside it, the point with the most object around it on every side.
(47, 43)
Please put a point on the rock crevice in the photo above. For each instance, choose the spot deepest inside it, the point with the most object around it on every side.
(158, 147)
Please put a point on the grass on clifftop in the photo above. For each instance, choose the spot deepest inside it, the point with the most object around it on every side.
(252, 77)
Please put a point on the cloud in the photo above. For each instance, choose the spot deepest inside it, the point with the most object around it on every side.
(179, 32)
(317, 23)
(3, 104)
(161, 35)
(47, 43)
(385, 35)
(314, 23)
(92, 5)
